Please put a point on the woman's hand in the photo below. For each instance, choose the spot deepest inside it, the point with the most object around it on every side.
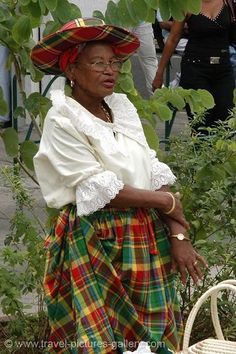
(157, 82)
(186, 260)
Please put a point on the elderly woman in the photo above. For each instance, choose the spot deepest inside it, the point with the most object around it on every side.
(120, 234)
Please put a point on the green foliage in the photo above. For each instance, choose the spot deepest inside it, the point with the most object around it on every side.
(206, 169)
(178, 8)
(10, 139)
(27, 151)
(22, 266)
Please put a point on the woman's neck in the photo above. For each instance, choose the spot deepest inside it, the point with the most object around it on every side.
(92, 104)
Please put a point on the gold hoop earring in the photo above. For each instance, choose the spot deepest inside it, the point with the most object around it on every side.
(72, 83)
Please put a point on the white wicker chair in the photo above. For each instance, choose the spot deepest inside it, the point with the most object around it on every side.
(210, 345)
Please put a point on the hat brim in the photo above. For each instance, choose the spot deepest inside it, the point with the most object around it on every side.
(45, 55)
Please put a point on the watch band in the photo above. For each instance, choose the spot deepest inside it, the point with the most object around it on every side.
(180, 237)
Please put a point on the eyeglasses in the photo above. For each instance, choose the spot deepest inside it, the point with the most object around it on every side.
(100, 67)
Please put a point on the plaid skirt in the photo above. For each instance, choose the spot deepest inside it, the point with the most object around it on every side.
(108, 283)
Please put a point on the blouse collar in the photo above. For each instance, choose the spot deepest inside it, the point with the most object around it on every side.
(125, 119)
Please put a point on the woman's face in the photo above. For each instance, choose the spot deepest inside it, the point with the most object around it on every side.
(90, 75)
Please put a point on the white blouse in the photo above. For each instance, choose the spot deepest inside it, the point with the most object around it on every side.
(87, 161)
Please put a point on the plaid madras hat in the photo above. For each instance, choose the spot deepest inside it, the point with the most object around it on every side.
(45, 55)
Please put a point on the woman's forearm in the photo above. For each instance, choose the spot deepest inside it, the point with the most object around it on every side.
(168, 51)
(160, 200)
(135, 197)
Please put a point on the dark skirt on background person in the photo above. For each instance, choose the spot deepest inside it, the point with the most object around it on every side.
(206, 63)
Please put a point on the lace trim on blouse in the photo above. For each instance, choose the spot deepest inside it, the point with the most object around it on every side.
(161, 174)
(127, 120)
(95, 192)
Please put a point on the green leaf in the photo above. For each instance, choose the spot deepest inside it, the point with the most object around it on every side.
(165, 10)
(163, 111)
(50, 27)
(21, 30)
(130, 9)
(232, 146)
(154, 4)
(140, 9)
(64, 11)
(176, 8)
(126, 67)
(24, 56)
(43, 7)
(51, 4)
(193, 7)
(232, 123)
(221, 145)
(4, 14)
(34, 103)
(206, 98)
(74, 11)
(34, 9)
(35, 21)
(151, 136)
(36, 74)
(151, 15)
(98, 14)
(124, 14)
(176, 100)
(111, 14)
(10, 139)
(27, 151)
(3, 103)
(127, 85)
(19, 112)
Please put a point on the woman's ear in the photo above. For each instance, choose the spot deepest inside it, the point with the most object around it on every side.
(69, 72)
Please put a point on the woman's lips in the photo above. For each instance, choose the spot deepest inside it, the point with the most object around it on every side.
(108, 83)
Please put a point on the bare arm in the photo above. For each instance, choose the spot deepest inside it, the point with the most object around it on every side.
(135, 197)
(170, 45)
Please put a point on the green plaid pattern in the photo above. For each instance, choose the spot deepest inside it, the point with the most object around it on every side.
(107, 286)
(45, 55)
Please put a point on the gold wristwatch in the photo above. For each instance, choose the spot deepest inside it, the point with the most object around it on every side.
(180, 237)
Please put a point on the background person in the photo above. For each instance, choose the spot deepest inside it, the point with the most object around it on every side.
(110, 261)
(166, 27)
(146, 54)
(206, 61)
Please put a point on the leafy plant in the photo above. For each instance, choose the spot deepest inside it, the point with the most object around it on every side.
(22, 267)
(206, 168)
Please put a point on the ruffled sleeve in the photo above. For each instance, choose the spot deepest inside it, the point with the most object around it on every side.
(161, 174)
(97, 191)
